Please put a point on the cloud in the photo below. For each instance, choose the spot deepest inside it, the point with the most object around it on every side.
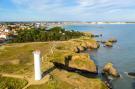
(91, 2)
(41, 5)
(74, 9)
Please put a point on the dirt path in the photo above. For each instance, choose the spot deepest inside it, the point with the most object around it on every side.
(31, 81)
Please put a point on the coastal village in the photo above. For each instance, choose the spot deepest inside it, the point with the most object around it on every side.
(8, 30)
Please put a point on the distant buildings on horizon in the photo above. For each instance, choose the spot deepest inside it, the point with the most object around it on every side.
(7, 29)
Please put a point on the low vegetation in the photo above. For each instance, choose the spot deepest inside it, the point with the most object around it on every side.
(17, 58)
(54, 83)
(12, 83)
(69, 80)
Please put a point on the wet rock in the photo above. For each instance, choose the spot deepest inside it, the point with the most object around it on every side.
(112, 40)
(110, 70)
(131, 74)
(108, 44)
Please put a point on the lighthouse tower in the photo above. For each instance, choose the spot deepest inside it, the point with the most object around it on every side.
(37, 65)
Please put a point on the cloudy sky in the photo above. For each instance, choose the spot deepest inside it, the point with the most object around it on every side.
(67, 10)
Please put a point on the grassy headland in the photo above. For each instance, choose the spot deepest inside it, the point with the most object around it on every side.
(61, 60)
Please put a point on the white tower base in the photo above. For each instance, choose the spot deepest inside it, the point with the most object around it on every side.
(37, 65)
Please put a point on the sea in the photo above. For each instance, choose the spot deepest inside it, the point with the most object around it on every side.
(122, 54)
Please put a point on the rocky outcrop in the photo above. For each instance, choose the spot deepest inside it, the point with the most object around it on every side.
(68, 55)
(79, 49)
(110, 70)
(131, 74)
(108, 44)
(77, 61)
(81, 45)
(112, 40)
(93, 45)
(83, 62)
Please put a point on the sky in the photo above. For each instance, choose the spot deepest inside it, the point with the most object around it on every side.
(67, 10)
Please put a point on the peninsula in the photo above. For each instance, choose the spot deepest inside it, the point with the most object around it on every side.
(64, 63)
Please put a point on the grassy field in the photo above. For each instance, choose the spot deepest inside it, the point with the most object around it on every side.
(12, 83)
(54, 83)
(69, 80)
(17, 59)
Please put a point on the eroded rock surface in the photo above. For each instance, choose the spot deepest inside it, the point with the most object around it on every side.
(110, 70)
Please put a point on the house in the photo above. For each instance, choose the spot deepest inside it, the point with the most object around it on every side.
(4, 35)
(6, 30)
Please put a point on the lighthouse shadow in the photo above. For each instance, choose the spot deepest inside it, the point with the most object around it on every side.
(48, 71)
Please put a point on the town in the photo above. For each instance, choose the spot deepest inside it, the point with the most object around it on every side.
(9, 29)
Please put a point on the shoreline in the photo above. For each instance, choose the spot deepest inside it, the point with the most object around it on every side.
(63, 49)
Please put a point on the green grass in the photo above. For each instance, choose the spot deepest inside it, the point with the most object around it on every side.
(53, 84)
(17, 58)
(12, 83)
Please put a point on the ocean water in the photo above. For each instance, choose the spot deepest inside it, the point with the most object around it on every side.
(122, 54)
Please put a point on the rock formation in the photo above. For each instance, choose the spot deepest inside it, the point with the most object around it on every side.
(77, 61)
(82, 61)
(110, 70)
(108, 44)
(112, 40)
(131, 74)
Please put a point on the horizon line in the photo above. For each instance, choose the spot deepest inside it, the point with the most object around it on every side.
(65, 21)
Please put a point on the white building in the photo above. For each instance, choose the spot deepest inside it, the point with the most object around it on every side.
(6, 30)
(37, 25)
(37, 65)
(5, 36)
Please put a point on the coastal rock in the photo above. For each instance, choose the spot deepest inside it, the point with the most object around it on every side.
(112, 40)
(93, 35)
(75, 61)
(131, 74)
(81, 48)
(76, 50)
(110, 70)
(94, 45)
(85, 43)
(108, 44)
(82, 61)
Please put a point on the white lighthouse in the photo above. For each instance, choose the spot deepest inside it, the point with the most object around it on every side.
(37, 65)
